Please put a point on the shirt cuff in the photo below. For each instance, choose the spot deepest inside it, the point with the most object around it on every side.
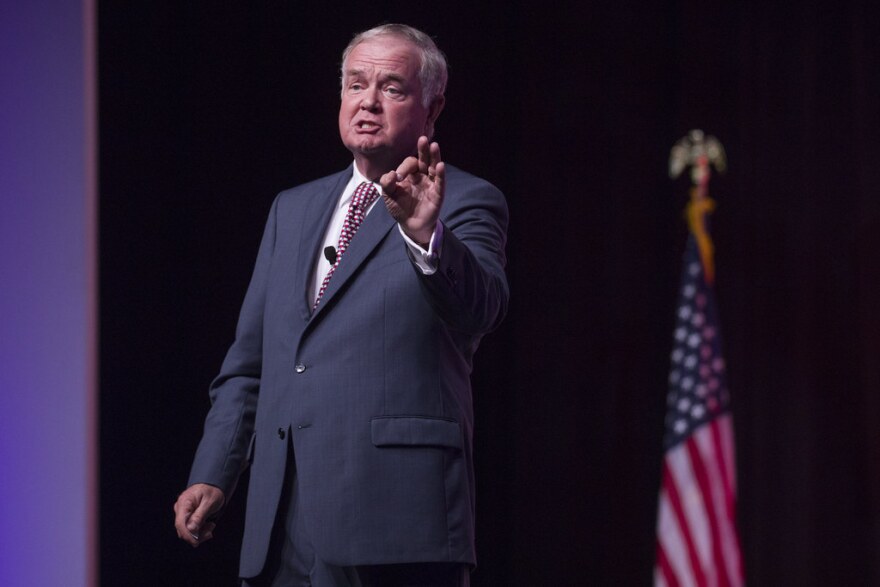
(426, 261)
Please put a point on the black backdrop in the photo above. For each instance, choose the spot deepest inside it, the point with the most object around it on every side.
(208, 110)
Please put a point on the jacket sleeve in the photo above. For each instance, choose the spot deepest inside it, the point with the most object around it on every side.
(469, 290)
(222, 453)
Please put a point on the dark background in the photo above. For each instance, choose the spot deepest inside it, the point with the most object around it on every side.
(208, 110)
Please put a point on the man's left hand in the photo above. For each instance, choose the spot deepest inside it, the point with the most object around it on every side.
(413, 193)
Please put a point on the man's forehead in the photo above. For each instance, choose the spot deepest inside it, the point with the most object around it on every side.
(385, 53)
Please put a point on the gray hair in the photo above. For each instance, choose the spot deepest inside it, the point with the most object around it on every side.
(432, 69)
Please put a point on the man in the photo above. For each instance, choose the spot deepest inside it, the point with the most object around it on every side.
(347, 388)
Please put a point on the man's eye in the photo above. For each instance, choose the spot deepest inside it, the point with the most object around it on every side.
(356, 87)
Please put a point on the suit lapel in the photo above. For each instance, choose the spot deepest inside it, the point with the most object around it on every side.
(374, 228)
(315, 220)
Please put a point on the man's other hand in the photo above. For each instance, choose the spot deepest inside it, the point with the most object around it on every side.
(193, 511)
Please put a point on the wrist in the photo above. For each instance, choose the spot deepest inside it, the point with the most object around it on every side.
(421, 237)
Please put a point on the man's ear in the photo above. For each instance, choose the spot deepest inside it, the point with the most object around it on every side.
(433, 113)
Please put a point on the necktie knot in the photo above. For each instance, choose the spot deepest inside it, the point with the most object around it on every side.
(365, 194)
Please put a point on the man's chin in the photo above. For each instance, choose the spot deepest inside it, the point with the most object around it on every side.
(368, 146)
(376, 152)
(379, 154)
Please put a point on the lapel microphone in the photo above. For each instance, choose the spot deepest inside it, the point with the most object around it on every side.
(330, 254)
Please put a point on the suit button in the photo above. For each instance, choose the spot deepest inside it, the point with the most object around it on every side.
(299, 368)
(281, 433)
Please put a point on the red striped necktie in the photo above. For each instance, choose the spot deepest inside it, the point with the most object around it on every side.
(364, 196)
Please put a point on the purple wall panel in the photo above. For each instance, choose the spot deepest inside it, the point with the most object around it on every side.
(47, 468)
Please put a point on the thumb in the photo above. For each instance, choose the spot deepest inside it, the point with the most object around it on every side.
(197, 519)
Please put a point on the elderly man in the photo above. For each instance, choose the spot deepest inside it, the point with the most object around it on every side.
(346, 390)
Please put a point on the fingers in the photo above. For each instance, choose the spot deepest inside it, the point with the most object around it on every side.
(429, 157)
(198, 519)
(390, 180)
(192, 513)
(183, 509)
(425, 164)
(413, 170)
(387, 182)
(207, 532)
(440, 177)
(435, 156)
(410, 166)
(424, 150)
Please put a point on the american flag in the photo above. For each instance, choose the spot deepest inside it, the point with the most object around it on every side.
(697, 542)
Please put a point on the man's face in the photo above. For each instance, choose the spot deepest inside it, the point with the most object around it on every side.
(381, 115)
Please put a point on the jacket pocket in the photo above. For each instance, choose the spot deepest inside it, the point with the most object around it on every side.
(415, 431)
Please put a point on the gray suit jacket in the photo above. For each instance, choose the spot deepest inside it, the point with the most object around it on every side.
(374, 386)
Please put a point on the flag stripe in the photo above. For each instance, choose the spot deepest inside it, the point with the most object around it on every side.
(692, 505)
(667, 576)
(669, 483)
(722, 496)
(716, 565)
(673, 543)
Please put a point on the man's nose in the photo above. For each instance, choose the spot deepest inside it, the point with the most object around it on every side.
(370, 100)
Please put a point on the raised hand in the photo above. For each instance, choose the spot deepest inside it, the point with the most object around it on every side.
(413, 193)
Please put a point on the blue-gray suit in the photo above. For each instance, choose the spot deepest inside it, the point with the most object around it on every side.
(374, 386)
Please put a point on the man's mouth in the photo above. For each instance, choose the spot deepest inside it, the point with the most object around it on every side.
(367, 125)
